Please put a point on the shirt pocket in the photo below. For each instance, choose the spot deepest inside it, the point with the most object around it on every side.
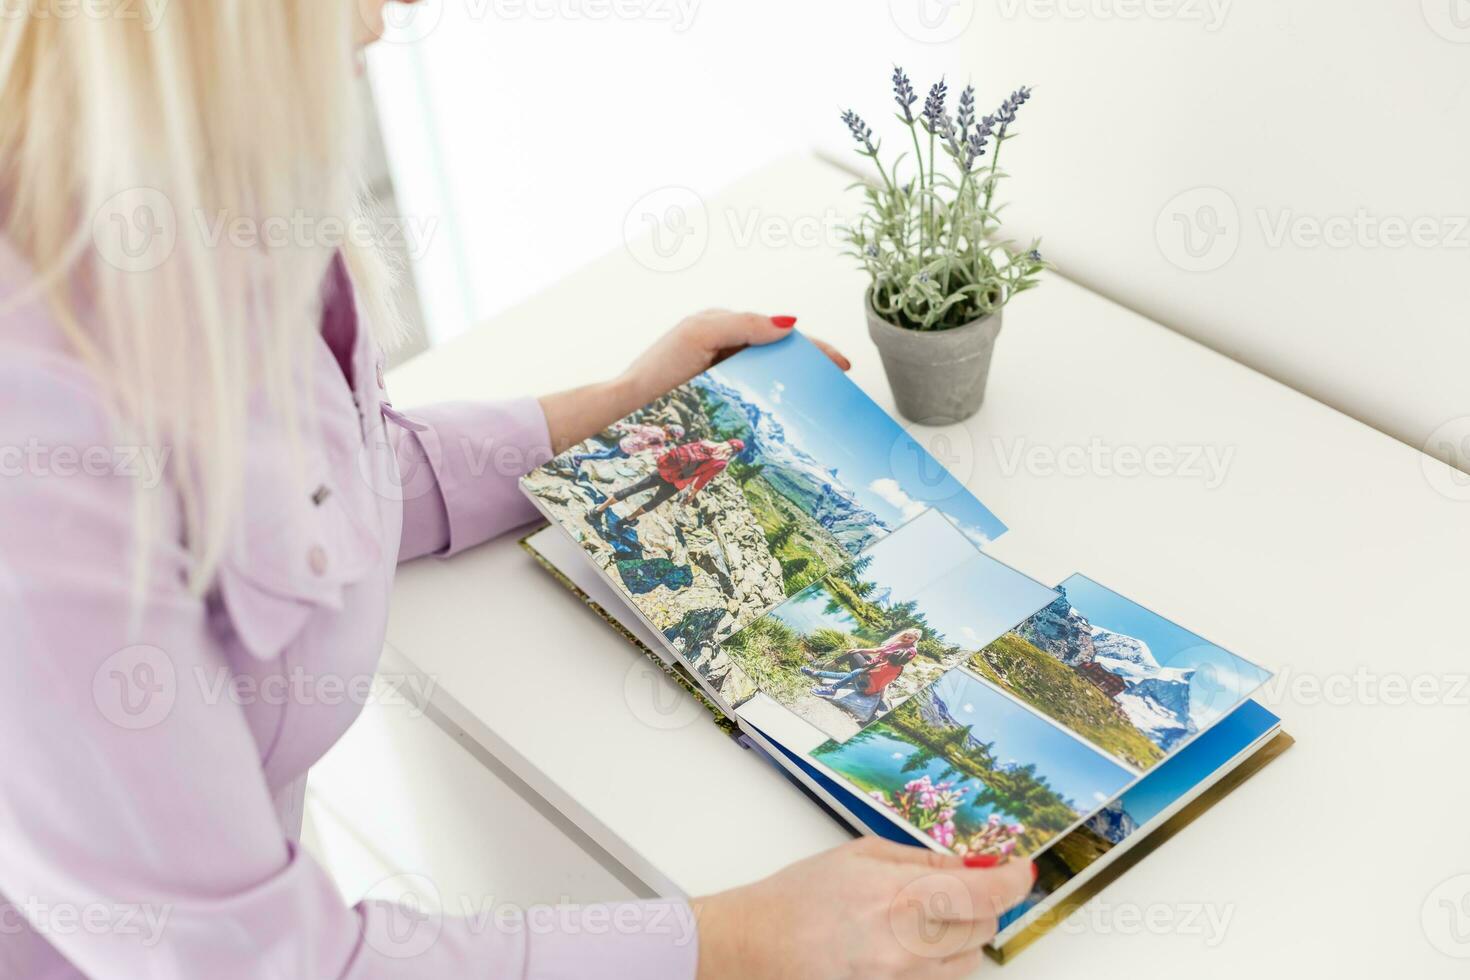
(300, 542)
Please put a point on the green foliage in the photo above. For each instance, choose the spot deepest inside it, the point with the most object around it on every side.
(848, 592)
(842, 594)
(905, 615)
(1059, 691)
(926, 237)
(827, 641)
(744, 472)
(778, 538)
(935, 650)
(721, 423)
(794, 568)
(770, 653)
(1018, 791)
(804, 549)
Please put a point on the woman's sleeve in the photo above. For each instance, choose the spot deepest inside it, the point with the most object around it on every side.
(459, 465)
(137, 834)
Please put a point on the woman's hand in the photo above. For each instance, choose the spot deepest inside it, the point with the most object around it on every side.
(703, 340)
(698, 343)
(871, 909)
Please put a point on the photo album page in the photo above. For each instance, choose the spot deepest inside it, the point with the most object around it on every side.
(824, 578)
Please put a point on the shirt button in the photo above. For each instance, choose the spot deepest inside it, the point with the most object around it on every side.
(316, 559)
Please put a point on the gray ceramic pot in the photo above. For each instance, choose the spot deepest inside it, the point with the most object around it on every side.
(937, 376)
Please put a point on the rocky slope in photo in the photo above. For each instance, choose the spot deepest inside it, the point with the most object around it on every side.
(732, 576)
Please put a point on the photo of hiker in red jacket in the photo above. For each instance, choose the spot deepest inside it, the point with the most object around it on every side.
(688, 469)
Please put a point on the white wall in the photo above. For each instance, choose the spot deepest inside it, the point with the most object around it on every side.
(529, 140)
(1274, 121)
(552, 131)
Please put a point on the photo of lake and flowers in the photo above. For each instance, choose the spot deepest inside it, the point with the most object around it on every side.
(976, 771)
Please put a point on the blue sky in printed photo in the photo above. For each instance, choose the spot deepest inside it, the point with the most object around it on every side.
(965, 594)
(1232, 677)
(832, 420)
(1020, 736)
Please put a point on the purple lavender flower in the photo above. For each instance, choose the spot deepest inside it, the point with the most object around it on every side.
(1007, 111)
(861, 131)
(903, 93)
(967, 111)
(934, 105)
(975, 145)
(945, 130)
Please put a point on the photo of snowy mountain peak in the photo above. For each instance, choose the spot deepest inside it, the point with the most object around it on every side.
(1128, 680)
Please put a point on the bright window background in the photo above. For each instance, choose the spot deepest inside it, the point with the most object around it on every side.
(526, 132)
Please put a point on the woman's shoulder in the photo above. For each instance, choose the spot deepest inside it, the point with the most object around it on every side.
(43, 381)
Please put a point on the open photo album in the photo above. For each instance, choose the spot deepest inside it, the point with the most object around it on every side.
(778, 541)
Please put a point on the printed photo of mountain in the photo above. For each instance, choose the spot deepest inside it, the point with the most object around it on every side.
(1133, 683)
(1145, 800)
(975, 771)
(859, 641)
(714, 503)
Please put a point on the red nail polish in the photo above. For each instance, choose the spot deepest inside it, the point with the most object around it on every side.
(784, 322)
(1034, 872)
(981, 860)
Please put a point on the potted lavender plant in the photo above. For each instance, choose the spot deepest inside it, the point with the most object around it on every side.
(938, 276)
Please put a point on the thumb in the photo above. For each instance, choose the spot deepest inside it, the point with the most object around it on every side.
(991, 890)
(998, 888)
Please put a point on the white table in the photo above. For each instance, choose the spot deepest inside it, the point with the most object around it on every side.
(1326, 551)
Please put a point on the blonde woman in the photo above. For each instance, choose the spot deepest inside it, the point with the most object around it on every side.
(204, 490)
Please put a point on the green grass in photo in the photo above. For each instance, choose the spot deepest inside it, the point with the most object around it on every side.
(1058, 691)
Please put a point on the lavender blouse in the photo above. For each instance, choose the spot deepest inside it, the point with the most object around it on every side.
(150, 786)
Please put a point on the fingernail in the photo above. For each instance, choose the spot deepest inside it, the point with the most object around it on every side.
(1034, 872)
(784, 322)
(981, 860)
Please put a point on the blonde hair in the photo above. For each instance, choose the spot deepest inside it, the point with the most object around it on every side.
(214, 116)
